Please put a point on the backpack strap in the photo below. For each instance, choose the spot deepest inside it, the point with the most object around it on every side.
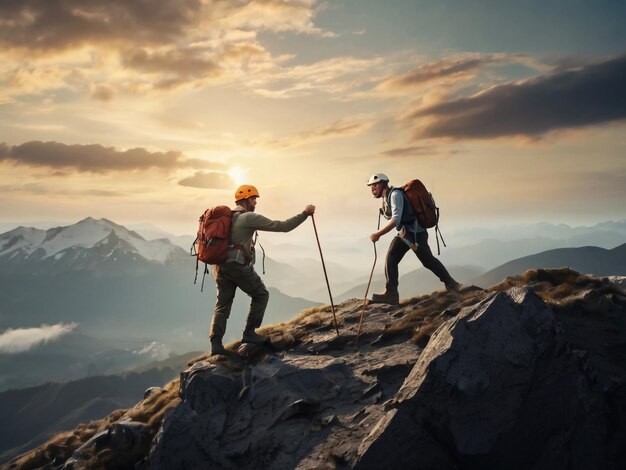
(254, 242)
(407, 216)
(238, 246)
(438, 235)
(206, 270)
(194, 252)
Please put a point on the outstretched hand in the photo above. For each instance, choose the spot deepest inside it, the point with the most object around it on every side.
(310, 209)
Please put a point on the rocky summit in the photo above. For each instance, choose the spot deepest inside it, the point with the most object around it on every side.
(528, 374)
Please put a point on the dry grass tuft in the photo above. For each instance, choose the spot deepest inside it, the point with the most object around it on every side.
(556, 286)
(61, 447)
(428, 313)
(151, 410)
(295, 328)
(424, 332)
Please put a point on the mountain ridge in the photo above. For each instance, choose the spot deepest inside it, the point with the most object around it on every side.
(28, 245)
(589, 260)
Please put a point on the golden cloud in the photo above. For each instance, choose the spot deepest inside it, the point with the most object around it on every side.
(95, 158)
(208, 180)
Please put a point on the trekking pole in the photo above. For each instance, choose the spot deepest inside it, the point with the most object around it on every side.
(358, 331)
(332, 305)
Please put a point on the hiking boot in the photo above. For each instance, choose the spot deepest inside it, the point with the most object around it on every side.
(388, 297)
(253, 337)
(217, 348)
(453, 286)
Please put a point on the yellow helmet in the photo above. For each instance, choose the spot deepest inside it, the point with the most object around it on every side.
(245, 191)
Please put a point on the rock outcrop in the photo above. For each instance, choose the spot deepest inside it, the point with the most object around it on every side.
(526, 375)
(496, 387)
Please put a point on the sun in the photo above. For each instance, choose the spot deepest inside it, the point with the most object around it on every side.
(238, 175)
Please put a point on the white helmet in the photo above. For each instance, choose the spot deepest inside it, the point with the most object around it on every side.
(377, 178)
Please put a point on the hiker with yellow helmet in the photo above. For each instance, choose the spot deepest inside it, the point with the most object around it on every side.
(396, 208)
(238, 271)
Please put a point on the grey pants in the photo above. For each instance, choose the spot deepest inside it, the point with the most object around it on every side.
(228, 277)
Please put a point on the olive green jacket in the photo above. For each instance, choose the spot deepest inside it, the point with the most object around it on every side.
(245, 224)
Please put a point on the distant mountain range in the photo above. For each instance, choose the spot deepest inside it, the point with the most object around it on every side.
(118, 288)
(490, 247)
(37, 413)
(87, 245)
(74, 356)
(125, 291)
(474, 234)
(483, 248)
(586, 260)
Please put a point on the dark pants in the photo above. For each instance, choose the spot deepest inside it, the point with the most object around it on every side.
(398, 249)
(228, 277)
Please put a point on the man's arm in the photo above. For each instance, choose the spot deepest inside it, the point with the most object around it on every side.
(386, 229)
(397, 205)
(260, 222)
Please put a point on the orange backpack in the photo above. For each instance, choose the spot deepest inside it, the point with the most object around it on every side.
(211, 243)
(424, 207)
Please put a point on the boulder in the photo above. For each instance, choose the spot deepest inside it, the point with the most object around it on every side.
(496, 387)
(125, 443)
(247, 420)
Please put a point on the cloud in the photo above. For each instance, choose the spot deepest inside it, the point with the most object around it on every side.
(155, 351)
(53, 25)
(208, 180)
(590, 95)
(23, 339)
(179, 66)
(160, 44)
(338, 129)
(47, 190)
(417, 150)
(338, 76)
(448, 68)
(277, 15)
(92, 158)
(244, 51)
(102, 92)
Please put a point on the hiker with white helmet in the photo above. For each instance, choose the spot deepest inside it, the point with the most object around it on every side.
(411, 235)
(238, 271)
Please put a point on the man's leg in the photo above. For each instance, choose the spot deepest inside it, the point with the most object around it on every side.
(249, 281)
(226, 289)
(430, 262)
(397, 250)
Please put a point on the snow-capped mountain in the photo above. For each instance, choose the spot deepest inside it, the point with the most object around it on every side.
(84, 245)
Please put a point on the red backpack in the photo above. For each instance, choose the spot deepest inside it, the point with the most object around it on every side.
(423, 204)
(424, 207)
(211, 243)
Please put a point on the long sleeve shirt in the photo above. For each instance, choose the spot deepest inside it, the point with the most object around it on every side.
(247, 223)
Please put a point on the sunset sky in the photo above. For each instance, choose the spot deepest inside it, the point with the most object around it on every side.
(151, 111)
